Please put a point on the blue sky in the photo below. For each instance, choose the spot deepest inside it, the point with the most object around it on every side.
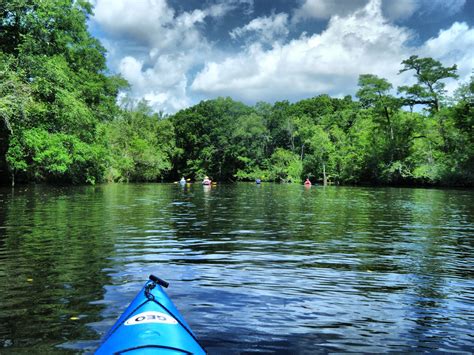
(175, 53)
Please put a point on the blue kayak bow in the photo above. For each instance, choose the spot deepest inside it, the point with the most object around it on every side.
(151, 325)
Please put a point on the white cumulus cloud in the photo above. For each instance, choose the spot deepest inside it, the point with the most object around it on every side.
(154, 47)
(400, 9)
(358, 43)
(267, 28)
(324, 9)
(393, 9)
(330, 62)
(453, 46)
(168, 60)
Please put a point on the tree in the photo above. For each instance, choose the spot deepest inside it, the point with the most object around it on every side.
(280, 127)
(58, 157)
(249, 144)
(204, 134)
(374, 92)
(285, 166)
(141, 144)
(15, 101)
(319, 149)
(55, 89)
(429, 89)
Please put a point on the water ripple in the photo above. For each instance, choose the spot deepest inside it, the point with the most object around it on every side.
(271, 269)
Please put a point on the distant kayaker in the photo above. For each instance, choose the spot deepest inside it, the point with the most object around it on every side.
(258, 181)
(182, 181)
(206, 181)
(307, 182)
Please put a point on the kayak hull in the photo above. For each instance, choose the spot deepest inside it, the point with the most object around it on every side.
(151, 324)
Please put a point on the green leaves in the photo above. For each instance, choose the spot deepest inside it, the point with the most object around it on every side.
(53, 92)
(60, 121)
(285, 166)
(55, 156)
(15, 96)
(141, 145)
(429, 90)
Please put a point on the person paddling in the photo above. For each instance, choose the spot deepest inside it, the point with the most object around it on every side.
(307, 182)
(206, 181)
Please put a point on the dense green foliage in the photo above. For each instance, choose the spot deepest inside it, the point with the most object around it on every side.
(54, 91)
(141, 145)
(373, 140)
(60, 121)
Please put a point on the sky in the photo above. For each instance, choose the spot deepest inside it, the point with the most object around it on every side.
(175, 53)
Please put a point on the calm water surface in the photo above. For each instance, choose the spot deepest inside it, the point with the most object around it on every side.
(253, 269)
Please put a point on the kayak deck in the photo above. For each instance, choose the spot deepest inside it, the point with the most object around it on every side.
(151, 324)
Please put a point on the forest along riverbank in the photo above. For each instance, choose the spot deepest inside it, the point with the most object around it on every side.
(63, 123)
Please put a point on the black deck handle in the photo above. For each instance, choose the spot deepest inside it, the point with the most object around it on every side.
(159, 281)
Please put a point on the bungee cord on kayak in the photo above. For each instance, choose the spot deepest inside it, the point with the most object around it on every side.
(150, 285)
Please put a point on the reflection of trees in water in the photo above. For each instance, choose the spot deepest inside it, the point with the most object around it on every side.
(53, 260)
(438, 261)
(4, 141)
(358, 249)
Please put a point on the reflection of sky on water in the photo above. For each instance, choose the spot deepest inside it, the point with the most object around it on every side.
(279, 268)
(272, 270)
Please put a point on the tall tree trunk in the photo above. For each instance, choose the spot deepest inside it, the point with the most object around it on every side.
(325, 181)
(389, 121)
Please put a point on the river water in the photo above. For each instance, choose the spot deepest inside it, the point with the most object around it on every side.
(253, 269)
